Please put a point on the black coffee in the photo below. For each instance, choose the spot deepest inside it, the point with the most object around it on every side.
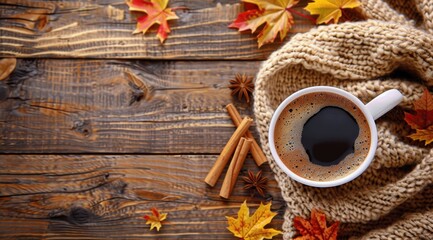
(322, 136)
(329, 136)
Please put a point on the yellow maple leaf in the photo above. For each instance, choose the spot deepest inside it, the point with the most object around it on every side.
(330, 9)
(273, 14)
(252, 228)
(155, 219)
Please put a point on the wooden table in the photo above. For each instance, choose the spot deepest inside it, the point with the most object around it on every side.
(99, 125)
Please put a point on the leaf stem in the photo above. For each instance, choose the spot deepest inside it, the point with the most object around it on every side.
(313, 20)
(347, 18)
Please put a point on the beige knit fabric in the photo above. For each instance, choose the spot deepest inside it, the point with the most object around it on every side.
(393, 199)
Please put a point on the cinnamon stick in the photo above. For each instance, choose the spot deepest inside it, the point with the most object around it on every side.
(235, 167)
(258, 155)
(226, 153)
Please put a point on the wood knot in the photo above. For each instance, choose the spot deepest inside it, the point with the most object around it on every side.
(80, 215)
(36, 19)
(118, 187)
(139, 89)
(83, 127)
(137, 95)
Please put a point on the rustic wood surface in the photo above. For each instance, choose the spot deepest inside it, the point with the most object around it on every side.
(76, 106)
(99, 125)
(95, 196)
(85, 29)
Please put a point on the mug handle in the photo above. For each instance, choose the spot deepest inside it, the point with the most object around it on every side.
(384, 102)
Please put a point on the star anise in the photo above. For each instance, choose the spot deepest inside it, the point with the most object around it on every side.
(255, 182)
(242, 85)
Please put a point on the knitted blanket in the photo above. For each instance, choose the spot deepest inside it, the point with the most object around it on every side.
(393, 49)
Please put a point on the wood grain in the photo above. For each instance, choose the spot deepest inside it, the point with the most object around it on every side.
(153, 127)
(83, 106)
(95, 196)
(103, 29)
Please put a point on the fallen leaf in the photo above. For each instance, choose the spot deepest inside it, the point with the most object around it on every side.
(252, 228)
(273, 14)
(156, 13)
(7, 66)
(424, 112)
(423, 135)
(155, 219)
(422, 120)
(330, 9)
(315, 228)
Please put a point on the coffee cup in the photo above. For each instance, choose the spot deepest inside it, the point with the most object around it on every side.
(324, 136)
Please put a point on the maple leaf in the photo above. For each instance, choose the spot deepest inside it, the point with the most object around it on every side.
(424, 112)
(252, 228)
(156, 13)
(330, 9)
(316, 228)
(155, 219)
(423, 135)
(273, 14)
(422, 120)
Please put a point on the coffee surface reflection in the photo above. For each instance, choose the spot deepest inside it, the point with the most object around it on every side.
(329, 136)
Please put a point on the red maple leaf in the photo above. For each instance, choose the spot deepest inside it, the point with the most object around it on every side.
(422, 120)
(316, 228)
(156, 13)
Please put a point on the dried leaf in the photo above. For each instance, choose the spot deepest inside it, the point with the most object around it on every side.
(315, 228)
(424, 112)
(274, 15)
(7, 66)
(423, 135)
(330, 9)
(155, 219)
(422, 120)
(252, 228)
(156, 13)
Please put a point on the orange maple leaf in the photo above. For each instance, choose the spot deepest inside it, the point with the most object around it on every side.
(252, 228)
(330, 9)
(316, 228)
(155, 219)
(423, 135)
(156, 13)
(422, 120)
(273, 14)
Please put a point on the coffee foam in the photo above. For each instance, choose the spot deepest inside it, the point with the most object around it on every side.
(288, 133)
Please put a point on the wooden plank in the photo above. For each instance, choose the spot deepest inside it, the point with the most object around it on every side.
(81, 106)
(103, 29)
(95, 196)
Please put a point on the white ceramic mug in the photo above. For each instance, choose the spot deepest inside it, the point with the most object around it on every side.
(373, 110)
